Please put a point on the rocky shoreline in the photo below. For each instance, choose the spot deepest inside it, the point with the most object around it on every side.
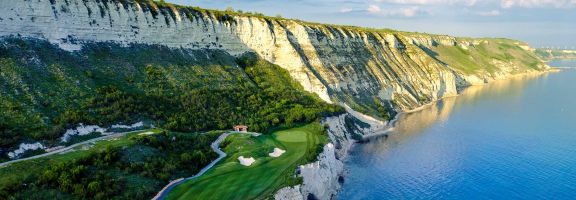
(323, 179)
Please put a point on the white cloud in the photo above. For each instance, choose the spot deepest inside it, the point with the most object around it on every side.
(402, 12)
(431, 2)
(373, 9)
(537, 3)
(346, 10)
(503, 3)
(408, 12)
(489, 13)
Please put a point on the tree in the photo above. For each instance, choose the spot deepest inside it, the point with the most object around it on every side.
(94, 187)
(229, 9)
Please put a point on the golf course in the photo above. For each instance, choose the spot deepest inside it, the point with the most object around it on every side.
(231, 180)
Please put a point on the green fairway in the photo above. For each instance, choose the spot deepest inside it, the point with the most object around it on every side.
(230, 180)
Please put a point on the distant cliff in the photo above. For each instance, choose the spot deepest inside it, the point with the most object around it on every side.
(550, 54)
(372, 71)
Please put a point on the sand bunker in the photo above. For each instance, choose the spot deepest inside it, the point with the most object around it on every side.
(147, 133)
(277, 152)
(246, 161)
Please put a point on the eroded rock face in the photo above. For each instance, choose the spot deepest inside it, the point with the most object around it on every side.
(289, 193)
(344, 65)
(322, 179)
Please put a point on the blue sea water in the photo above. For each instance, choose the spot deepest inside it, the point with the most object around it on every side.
(513, 139)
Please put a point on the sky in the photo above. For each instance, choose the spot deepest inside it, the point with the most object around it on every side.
(542, 23)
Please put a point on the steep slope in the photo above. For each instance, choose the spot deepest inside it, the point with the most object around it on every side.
(45, 90)
(376, 72)
(366, 69)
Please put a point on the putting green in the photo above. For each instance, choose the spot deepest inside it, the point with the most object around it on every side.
(230, 180)
(292, 136)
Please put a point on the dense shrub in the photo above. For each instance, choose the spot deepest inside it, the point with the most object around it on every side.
(136, 171)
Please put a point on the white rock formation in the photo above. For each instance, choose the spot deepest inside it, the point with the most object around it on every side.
(289, 193)
(321, 177)
(25, 147)
(246, 161)
(276, 153)
(135, 125)
(82, 130)
(371, 121)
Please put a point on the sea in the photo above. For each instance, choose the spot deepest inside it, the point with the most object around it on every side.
(509, 139)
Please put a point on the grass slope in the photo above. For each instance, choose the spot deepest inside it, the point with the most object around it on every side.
(230, 180)
(482, 57)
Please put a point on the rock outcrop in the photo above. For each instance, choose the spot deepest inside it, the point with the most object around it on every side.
(322, 179)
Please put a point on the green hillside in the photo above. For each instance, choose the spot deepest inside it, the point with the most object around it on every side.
(134, 166)
(485, 56)
(45, 90)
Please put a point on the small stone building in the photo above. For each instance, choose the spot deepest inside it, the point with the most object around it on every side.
(241, 128)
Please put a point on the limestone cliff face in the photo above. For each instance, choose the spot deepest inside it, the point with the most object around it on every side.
(361, 68)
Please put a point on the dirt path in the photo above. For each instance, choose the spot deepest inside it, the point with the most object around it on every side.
(215, 146)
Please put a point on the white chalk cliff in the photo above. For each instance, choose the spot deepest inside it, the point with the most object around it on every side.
(341, 64)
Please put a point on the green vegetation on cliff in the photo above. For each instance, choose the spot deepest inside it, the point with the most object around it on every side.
(402, 70)
(45, 90)
(489, 56)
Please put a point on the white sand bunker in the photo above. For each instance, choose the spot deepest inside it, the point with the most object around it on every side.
(277, 153)
(147, 133)
(246, 161)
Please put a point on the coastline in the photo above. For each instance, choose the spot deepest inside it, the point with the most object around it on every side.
(391, 124)
(343, 140)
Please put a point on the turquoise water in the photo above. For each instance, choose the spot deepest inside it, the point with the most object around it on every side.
(512, 139)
